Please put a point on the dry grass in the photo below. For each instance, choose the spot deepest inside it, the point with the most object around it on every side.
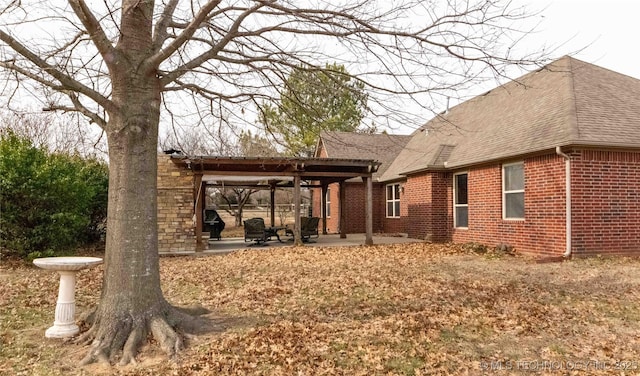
(409, 309)
(233, 232)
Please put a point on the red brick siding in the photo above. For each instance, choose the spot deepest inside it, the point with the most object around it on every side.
(605, 206)
(354, 208)
(427, 211)
(606, 202)
(543, 229)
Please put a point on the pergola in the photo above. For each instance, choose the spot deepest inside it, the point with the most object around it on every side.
(281, 172)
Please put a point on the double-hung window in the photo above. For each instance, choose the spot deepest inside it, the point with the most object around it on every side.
(393, 200)
(460, 200)
(513, 191)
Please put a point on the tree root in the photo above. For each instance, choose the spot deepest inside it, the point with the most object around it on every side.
(113, 336)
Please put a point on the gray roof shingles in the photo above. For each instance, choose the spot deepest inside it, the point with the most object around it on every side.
(568, 102)
(383, 148)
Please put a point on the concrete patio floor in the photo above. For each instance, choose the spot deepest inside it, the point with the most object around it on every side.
(228, 245)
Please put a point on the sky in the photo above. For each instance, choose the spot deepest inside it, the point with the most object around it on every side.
(607, 30)
(600, 32)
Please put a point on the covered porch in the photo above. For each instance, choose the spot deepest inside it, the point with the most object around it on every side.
(271, 173)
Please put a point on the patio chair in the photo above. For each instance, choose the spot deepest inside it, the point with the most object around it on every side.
(213, 224)
(254, 231)
(308, 228)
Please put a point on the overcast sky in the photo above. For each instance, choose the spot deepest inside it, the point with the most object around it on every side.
(600, 32)
(608, 29)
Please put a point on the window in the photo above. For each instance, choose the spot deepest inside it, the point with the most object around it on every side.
(513, 191)
(460, 201)
(328, 203)
(393, 200)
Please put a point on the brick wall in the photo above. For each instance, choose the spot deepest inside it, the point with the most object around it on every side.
(542, 231)
(176, 230)
(605, 206)
(606, 202)
(354, 207)
(426, 204)
(355, 193)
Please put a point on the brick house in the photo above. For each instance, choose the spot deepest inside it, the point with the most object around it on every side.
(548, 163)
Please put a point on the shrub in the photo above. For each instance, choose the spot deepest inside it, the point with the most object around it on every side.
(49, 203)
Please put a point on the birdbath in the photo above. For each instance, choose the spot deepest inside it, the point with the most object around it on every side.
(65, 324)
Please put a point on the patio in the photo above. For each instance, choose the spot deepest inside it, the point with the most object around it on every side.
(228, 245)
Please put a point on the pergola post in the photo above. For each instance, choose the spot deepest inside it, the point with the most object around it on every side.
(273, 204)
(297, 232)
(199, 195)
(323, 208)
(342, 213)
(369, 211)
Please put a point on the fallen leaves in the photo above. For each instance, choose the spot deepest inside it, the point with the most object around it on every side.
(412, 309)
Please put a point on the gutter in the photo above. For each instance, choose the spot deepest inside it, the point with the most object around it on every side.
(567, 173)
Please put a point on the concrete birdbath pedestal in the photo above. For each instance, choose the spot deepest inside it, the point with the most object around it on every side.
(65, 324)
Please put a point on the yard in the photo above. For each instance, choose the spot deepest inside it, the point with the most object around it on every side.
(408, 309)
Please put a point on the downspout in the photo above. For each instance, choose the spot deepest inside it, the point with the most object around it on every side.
(567, 173)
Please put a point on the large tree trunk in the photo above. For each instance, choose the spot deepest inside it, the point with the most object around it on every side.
(132, 304)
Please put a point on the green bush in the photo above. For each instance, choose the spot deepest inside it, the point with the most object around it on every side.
(49, 203)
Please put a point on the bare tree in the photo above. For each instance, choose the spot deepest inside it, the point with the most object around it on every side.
(127, 64)
(56, 134)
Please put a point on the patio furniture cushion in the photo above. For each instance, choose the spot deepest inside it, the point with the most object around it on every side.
(254, 230)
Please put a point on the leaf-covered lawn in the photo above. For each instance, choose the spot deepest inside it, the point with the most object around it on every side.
(407, 309)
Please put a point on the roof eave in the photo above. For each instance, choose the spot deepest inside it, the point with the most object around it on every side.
(424, 169)
(525, 154)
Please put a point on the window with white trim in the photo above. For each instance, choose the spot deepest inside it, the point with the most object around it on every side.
(513, 191)
(328, 203)
(460, 200)
(393, 200)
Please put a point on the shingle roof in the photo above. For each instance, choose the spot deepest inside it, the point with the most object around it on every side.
(568, 102)
(383, 148)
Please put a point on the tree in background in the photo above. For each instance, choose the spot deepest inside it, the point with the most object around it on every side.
(314, 100)
(50, 203)
(55, 132)
(234, 199)
(126, 64)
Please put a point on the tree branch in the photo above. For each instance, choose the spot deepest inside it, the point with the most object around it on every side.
(95, 31)
(66, 82)
(161, 33)
(156, 59)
